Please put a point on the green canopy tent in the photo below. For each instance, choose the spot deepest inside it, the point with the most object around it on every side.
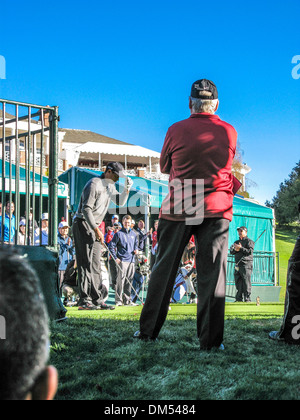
(62, 187)
(145, 200)
(145, 195)
(260, 222)
(151, 193)
(258, 219)
(10, 188)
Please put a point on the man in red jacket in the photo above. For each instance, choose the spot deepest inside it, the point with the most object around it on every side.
(198, 153)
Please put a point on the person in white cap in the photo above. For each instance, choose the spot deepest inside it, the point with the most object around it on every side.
(22, 232)
(43, 232)
(66, 249)
(115, 219)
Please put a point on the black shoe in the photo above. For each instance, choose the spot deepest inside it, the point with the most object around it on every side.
(143, 337)
(105, 307)
(87, 307)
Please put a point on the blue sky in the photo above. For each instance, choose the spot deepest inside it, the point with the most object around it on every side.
(124, 70)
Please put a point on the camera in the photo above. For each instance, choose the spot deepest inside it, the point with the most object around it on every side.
(142, 265)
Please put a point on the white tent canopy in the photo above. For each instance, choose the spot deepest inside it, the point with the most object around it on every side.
(119, 152)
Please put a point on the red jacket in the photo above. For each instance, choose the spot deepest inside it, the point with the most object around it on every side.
(109, 236)
(154, 239)
(201, 147)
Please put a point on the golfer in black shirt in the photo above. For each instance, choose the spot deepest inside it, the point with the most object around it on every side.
(243, 249)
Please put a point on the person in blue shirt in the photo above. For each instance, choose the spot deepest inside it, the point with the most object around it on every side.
(9, 219)
(43, 231)
(66, 249)
(123, 248)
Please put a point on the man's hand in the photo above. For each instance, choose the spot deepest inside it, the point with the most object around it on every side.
(118, 261)
(237, 247)
(99, 235)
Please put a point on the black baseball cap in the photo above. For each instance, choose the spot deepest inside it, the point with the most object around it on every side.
(243, 228)
(204, 89)
(116, 168)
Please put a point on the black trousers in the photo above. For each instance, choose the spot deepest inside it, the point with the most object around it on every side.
(113, 272)
(88, 255)
(211, 239)
(290, 330)
(243, 285)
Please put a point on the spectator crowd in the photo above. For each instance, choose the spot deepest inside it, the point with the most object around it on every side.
(124, 264)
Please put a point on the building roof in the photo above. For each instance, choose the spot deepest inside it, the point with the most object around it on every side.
(124, 153)
(91, 145)
(9, 116)
(85, 136)
(117, 149)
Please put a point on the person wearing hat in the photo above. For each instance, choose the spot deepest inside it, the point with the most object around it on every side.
(197, 152)
(66, 249)
(43, 232)
(32, 227)
(242, 249)
(133, 229)
(93, 206)
(22, 232)
(115, 219)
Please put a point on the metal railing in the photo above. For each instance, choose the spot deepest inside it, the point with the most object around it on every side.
(265, 271)
(32, 129)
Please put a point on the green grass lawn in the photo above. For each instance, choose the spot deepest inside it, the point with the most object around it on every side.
(98, 359)
(285, 242)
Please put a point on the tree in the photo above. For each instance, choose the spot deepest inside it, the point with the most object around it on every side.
(287, 198)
